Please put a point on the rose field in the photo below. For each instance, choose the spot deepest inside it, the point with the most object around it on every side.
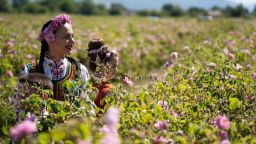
(180, 80)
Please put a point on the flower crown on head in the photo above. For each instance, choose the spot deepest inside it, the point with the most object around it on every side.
(95, 51)
(48, 33)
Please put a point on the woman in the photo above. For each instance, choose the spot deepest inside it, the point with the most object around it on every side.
(57, 41)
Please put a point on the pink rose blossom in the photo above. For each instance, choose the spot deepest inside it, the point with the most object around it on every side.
(164, 104)
(251, 45)
(223, 134)
(47, 34)
(110, 139)
(9, 73)
(111, 118)
(231, 55)
(127, 81)
(34, 46)
(226, 51)
(27, 127)
(222, 122)
(231, 44)
(159, 140)
(231, 33)
(248, 67)
(162, 125)
(173, 55)
(175, 114)
(238, 67)
(10, 44)
(225, 141)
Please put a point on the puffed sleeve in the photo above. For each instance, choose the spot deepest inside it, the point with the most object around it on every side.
(25, 69)
(84, 74)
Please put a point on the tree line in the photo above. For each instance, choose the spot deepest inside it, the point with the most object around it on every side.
(88, 7)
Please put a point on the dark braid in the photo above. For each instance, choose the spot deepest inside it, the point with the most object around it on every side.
(44, 49)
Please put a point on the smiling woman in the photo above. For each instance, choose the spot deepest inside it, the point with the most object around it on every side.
(57, 41)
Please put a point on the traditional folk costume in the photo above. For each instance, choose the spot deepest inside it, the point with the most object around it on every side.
(58, 72)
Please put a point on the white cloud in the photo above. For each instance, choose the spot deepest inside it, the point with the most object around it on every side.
(245, 2)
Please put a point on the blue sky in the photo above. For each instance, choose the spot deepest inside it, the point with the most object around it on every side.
(245, 2)
(157, 4)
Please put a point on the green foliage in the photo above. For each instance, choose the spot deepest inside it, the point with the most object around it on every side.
(203, 81)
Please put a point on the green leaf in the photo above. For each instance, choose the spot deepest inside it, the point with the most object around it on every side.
(234, 103)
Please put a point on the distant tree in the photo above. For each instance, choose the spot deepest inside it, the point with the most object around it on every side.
(254, 11)
(50, 5)
(34, 7)
(68, 6)
(215, 8)
(241, 11)
(195, 11)
(100, 9)
(4, 6)
(172, 10)
(117, 9)
(86, 7)
(149, 13)
(238, 11)
(19, 4)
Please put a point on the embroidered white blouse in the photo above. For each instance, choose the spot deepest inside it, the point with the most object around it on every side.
(56, 70)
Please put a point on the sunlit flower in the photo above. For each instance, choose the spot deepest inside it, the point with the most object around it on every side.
(127, 81)
(164, 104)
(212, 65)
(169, 141)
(162, 125)
(222, 122)
(27, 127)
(231, 44)
(226, 51)
(159, 140)
(29, 56)
(34, 46)
(225, 141)
(173, 55)
(223, 134)
(10, 44)
(110, 139)
(248, 67)
(111, 117)
(9, 73)
(175, 114)
(231, 33)
(238, 67)
(231, 55)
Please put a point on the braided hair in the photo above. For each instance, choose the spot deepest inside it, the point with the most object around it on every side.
(103, 52)
(44, 49)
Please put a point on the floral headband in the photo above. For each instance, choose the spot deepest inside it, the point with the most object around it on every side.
(47, 34)
(95, 51)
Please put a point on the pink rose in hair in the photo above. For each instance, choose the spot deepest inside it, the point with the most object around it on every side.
(48, 33)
